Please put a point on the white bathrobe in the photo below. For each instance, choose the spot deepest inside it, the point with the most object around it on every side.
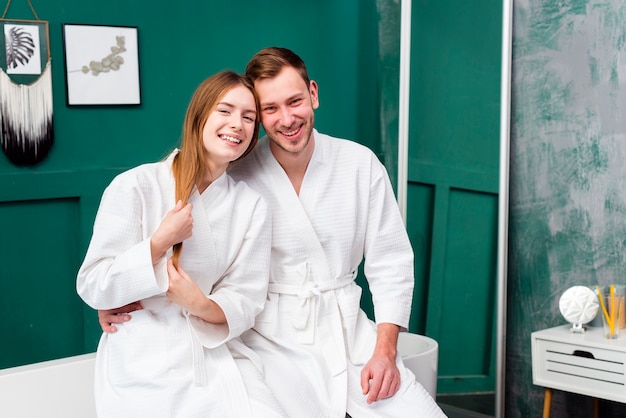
(166, 362)
(312, 336)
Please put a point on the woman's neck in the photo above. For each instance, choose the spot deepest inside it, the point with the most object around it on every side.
(212, 173)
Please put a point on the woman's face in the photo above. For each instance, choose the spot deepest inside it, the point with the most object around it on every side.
(229, 128)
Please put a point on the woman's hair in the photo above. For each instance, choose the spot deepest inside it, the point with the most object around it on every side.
(190, 163)
(268, 62)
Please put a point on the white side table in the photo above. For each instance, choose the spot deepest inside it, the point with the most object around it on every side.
(587, 364)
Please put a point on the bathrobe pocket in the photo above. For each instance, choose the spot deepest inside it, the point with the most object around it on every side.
(137, 352)
(360, 332)
(267, 321)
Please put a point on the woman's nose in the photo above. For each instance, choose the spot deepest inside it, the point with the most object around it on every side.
(236, 121)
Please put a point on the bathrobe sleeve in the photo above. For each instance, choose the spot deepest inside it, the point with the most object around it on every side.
(117, 268)
(388, 253)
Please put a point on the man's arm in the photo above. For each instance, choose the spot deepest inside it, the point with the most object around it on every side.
(110, 317)
(380, 378)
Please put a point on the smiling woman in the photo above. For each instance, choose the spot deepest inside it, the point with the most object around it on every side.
(201, 297)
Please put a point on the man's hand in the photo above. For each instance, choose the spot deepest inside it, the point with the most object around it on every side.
(380, 378)
(108, 318)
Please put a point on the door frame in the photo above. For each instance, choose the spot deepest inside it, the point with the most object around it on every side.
(503, 191)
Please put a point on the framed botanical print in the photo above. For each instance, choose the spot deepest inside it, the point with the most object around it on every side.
(27, 48)
(101, 65)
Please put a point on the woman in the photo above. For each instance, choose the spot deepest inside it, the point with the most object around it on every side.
(181, 355)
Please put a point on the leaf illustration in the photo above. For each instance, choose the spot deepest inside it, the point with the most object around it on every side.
(19, 47)
(113, 61)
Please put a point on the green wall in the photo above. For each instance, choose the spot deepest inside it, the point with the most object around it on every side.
(46, 211)
(183, 42)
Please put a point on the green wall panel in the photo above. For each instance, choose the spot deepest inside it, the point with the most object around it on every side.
(46, 221)
(455, 83)
(420, 219)
(39, 254)
(470, 246)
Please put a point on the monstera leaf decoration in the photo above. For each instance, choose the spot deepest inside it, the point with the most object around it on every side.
(20, 47)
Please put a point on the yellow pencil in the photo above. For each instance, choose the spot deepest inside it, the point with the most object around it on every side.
(609, 319)
(612, 323)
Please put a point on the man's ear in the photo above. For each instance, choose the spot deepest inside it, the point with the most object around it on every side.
(313, 91)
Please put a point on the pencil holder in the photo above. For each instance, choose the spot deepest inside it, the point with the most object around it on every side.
(612, 315)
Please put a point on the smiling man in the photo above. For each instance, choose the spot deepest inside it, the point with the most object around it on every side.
(332, 206)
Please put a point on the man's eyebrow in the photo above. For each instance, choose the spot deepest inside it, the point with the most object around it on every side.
(294, 96)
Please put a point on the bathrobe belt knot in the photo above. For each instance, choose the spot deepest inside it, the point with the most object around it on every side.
(308, 294)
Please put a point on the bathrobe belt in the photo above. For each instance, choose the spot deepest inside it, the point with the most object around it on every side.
(200, 377)
(308, 294)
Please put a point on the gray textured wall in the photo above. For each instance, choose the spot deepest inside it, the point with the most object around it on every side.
(568, 195)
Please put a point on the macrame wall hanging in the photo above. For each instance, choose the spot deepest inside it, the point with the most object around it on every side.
(25, 89)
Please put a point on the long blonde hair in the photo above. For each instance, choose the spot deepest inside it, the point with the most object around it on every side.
(190, 163)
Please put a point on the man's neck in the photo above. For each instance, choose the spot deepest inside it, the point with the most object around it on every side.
(294, 164)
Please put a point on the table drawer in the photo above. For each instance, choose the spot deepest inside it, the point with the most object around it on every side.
(580, 369)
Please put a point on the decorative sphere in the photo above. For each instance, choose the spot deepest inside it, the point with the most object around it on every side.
(579, 304)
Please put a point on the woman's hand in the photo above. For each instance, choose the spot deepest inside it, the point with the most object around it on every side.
(176, 227)
(186, 293)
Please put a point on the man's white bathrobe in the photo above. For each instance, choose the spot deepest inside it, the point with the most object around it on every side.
(166, 362)
(312, 336)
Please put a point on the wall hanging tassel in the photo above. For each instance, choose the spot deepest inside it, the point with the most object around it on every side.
(26, 118)
(26, 133)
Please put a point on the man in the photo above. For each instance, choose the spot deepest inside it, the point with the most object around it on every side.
(332, 205)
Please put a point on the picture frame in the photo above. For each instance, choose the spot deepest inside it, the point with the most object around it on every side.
(101, 65)
(27, 49)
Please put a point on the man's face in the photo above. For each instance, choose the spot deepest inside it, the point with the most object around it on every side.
(287, 109)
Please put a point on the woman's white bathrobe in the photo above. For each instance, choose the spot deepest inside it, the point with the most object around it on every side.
(312, 321)
(165, 362)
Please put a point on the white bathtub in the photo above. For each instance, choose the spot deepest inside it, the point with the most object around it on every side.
(60, 388)
(63, 388)
(420, 354)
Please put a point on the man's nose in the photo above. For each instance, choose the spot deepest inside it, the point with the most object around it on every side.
(286, 117)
